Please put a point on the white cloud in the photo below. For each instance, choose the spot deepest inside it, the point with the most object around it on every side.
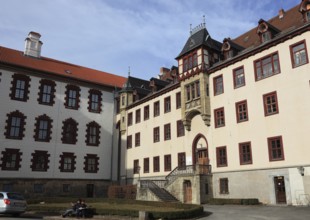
(111, 35)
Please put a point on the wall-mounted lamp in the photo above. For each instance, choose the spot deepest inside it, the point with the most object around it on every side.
(301, 170)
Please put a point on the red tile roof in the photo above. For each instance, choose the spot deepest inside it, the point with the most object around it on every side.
(47, 65)
(292, 19)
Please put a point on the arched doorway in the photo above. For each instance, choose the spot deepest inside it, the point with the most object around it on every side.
(200, 153)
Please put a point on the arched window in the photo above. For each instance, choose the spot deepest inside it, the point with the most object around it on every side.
(93, 134)
(15, 125)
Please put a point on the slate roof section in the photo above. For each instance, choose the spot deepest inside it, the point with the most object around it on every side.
(17, 59)
(201, 37)
(133, 83)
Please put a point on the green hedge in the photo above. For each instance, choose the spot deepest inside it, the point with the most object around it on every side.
(219, 201)
(187, 210)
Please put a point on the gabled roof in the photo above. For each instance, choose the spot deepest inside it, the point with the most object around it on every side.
(16, 58)
(198, 39)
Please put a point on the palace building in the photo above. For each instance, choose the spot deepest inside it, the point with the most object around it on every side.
(230, 120)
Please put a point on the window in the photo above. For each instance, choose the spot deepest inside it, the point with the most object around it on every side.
(39, 161)
(221, 157)
(129, 122)
(308, 16)
(189, 62)
(167, 104)
(137, 139)
(219, 117)
(38, 188)
(239, 78)
(266, 36)
(47, 92)
(180, 128)
(93, 134)
(20, 87)
(182, 160)
(218, 85)
(67, 162)
(242, 111)
(299, 54)
(167, 131)
(267, 66)
(91, 162)
(129, 141)
(178, 100)
(117, 106)
(156, 109)
(11, 159)
(146, 165)
(167, 162)
(193, 90)
(15, 125)
(156, 167)
(138, 116)
(69, 131)
(245, 153)
(136, 167)
(72, 98)
(66, 188)
(224, 186)
(146, 112)
(43, 128)
(156, 136)
(275, 147)
(271, 103)
(94, 101)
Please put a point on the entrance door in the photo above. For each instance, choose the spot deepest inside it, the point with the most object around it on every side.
(90, 190)
(279, 186)
(187, 185)
(202, 159)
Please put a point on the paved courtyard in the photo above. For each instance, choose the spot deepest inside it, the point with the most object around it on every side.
(236, 212)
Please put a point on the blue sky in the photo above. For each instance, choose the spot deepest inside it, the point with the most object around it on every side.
(110, 35)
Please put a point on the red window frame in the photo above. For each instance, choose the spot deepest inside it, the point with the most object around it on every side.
(178, 100)
(224, 189)
(167, 107)
(295, 51)
(156, 135)
(146, 112)
(138, 116)
(137, 139)
(275, 148)
(146, 165)
(271, 103)
(156, 164)
(156, 109)
(180, 128)
(182, 160)
(129, 141)
(245, 153)
(219, 117)
(167, 162)
(242, 111)
(167, 131)
(261, 66)
(239, 77)
(218, 85)
(129, 121)
(221, 156)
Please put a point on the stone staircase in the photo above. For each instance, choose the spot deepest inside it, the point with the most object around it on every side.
(158, 187)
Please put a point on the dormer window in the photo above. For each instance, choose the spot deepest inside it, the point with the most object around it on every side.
(304, 8)
(227, 50)
(266, 31)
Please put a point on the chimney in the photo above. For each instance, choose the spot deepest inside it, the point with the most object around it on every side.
(33, 45)
(163, 72)
(281, 13)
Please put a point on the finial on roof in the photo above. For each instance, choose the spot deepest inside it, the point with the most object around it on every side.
(204, 21)
(190, 29)
(128, 71)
